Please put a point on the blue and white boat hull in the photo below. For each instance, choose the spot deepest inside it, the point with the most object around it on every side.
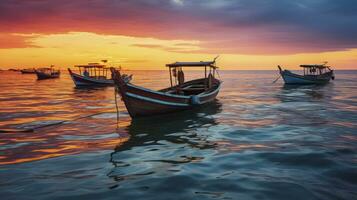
(296, 79)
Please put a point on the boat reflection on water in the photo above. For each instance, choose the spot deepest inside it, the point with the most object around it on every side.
(163, 127)
(307, 92)
(161, 140)
(304, 104)
(91, 92)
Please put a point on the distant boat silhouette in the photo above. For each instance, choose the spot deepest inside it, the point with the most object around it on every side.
(28, 71)
(47, 73)
(93, 74)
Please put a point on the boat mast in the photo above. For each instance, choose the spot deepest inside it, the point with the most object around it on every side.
(205, 71)
(170, 76)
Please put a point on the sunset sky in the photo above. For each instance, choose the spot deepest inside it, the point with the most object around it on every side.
(146, 34)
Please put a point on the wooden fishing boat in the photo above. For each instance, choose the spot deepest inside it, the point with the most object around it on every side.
(28, 71)
(47, 73)
(182, 95)
(313, 74)
(93, 75)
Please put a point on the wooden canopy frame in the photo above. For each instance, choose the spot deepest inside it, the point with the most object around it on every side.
(95, 70)
(313, 69)
(206, 64)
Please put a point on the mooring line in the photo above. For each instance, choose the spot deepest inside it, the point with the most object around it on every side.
(116, 104)
(277, 79)
(47, 125)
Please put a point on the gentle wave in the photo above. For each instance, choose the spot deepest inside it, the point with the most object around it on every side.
(259, 140)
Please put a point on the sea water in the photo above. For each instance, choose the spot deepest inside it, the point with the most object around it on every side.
(259, 140)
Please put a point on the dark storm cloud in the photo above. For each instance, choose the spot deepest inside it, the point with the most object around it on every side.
(231, 26)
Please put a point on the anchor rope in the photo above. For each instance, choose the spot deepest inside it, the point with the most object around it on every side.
(61, 122)
(47, 125)
(277, 79)
(116, 104)
(219, 76)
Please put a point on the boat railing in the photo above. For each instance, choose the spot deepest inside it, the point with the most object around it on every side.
(98, 77)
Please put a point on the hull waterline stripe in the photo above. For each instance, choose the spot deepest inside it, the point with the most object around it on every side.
(325, 77)
(92, 79)
(297, 80)
(156, 101)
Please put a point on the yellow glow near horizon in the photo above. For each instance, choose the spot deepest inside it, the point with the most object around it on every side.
(65, 50)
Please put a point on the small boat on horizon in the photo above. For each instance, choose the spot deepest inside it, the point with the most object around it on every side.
(93, 74)
(47, 73)
(13, 70)
(313, 74)
(28, 71)
(182, 95)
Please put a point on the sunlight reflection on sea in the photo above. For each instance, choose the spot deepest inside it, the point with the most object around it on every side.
(259, 140)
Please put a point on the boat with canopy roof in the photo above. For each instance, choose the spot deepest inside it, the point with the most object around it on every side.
(181, 95)
(47, 73)
(94, 74)
(312, 74)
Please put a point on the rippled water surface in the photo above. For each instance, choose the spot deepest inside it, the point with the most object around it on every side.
(259, 140)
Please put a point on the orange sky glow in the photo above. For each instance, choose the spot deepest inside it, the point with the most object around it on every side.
(149, 35)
